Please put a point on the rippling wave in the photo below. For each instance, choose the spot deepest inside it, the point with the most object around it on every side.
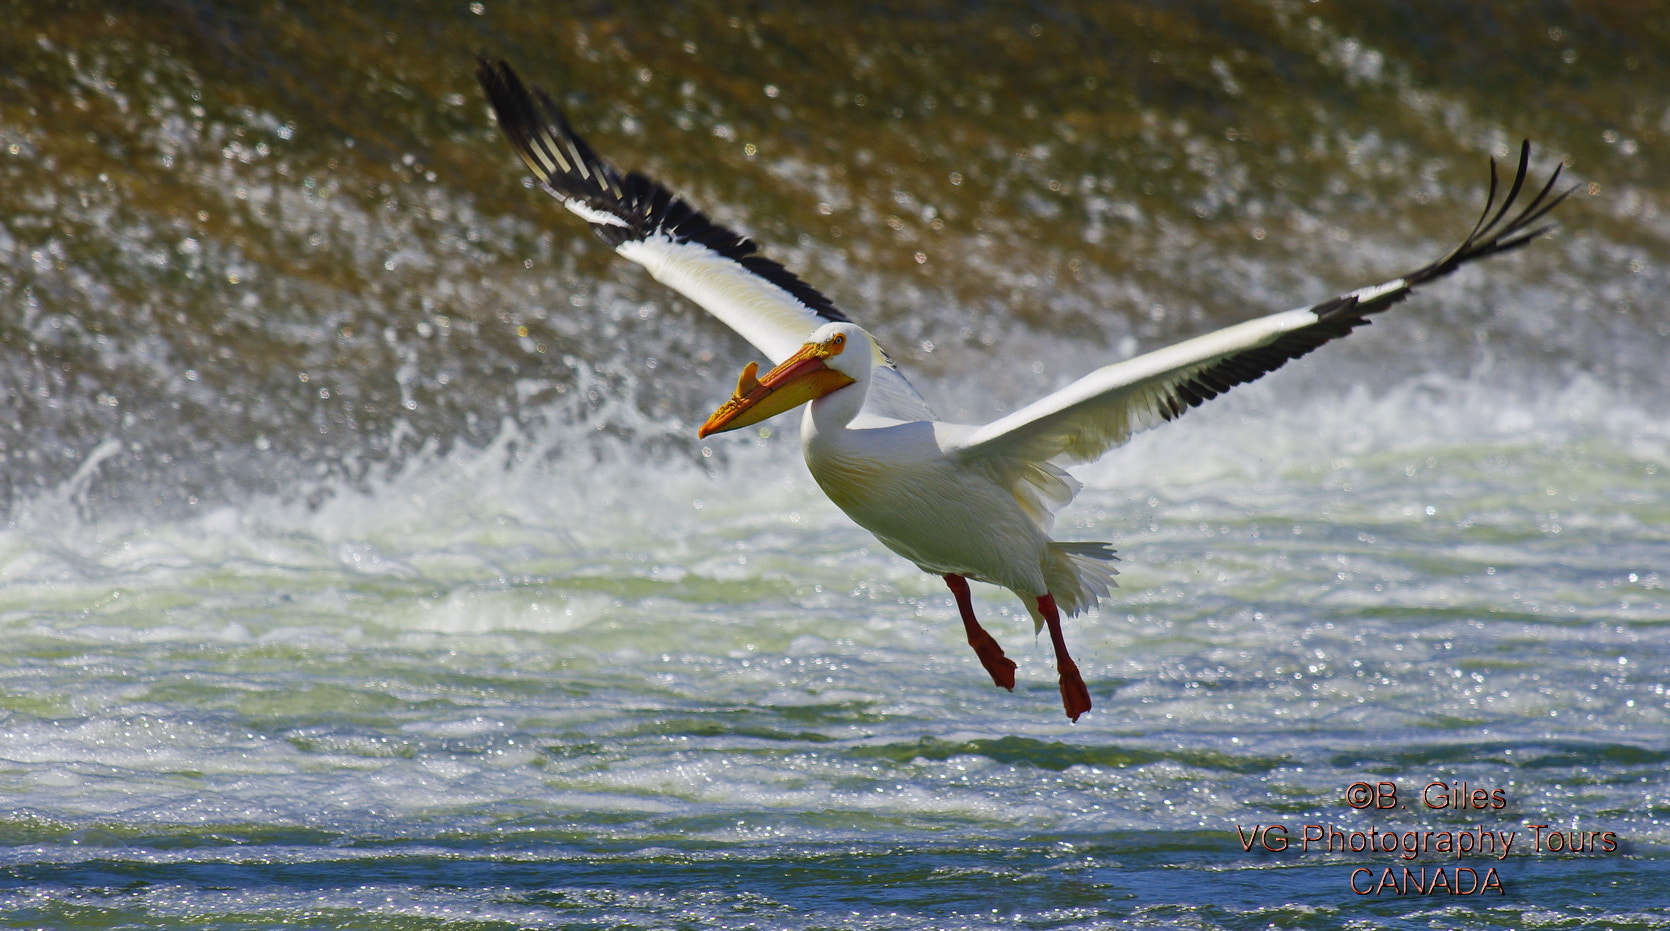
(360, 567)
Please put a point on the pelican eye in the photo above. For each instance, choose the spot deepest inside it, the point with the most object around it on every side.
(838, 343)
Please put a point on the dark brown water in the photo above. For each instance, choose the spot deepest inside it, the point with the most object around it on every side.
(265, 245)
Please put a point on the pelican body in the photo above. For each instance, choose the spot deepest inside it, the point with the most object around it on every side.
(958, 500)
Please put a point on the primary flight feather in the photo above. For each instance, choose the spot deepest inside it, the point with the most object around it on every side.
(960, 501)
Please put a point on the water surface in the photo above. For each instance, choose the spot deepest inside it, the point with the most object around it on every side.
(360, 568)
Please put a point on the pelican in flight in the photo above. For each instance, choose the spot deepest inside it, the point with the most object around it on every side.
(960, 501)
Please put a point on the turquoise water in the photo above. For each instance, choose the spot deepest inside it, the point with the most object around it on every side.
(359, 567)
(708, 701)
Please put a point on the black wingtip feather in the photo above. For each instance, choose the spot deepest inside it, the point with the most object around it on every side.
(1500, 234)
(642, 205)
(1494, 233)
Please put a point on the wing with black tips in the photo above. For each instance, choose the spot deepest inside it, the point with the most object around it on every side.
(720, 270)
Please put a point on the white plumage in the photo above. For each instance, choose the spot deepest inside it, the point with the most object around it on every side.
(961, 501)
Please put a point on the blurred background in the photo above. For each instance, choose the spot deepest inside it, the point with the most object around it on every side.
(270, 247)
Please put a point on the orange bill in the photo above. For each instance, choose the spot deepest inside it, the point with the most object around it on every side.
(801, 378)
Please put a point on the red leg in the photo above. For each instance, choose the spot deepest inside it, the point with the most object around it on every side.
(1001, 667)
(1075, 698)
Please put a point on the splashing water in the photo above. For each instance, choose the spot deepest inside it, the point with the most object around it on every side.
(357, 574)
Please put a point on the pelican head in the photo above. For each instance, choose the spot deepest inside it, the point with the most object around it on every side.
(837, 355)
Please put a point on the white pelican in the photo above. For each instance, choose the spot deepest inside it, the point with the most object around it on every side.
(960, 501)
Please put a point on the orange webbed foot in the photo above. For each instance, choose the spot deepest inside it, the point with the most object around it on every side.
(1000, 667)
(1075, 697)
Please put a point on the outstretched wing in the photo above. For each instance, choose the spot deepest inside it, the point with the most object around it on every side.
(1101, 410)
(720, 270)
